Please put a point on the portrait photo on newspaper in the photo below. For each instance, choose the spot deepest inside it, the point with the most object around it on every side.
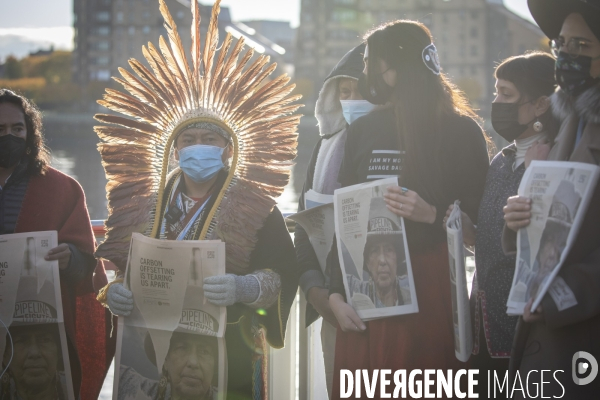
(193, 368)
(171, 346)
(374, 254)
(560, 193)
(35, 356)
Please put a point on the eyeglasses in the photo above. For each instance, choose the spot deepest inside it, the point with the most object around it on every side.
(574, 46)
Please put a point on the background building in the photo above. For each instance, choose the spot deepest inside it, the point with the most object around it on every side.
(472, 36)
(92, 23)
(280, 32)
(110, 32)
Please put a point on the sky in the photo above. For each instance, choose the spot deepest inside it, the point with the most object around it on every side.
(23, 30)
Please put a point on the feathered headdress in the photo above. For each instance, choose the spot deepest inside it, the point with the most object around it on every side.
(220, 88)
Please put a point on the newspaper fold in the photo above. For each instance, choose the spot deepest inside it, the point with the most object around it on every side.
(31, 307)
(373, 252)
(318, 222)
(461, 313)
(173, 335)
(560, 192)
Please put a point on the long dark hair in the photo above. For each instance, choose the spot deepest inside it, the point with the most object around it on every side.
(533, 76)
(421, 98)
(36, 152)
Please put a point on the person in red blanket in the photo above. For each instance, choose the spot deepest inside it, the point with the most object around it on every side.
(36, 197)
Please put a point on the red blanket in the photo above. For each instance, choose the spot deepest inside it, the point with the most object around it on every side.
(56, 201)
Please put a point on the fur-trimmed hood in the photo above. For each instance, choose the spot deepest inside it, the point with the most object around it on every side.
(586, 105)
(328, 110)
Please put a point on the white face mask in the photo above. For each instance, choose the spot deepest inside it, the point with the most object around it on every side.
(354, 109)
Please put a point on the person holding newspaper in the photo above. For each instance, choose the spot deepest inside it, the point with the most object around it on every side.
(191, 364)
(199, 177)
(338, 105)
(216, 150)
(521, 114)
(429, 138)
(36, 197)
(36, 370)
(547, 338)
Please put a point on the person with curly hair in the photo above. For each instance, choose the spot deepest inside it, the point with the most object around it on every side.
(36, 197)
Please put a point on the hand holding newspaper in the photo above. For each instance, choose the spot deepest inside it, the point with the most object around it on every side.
(560, 194)
(373, 252)
(171, 320)
(461, 314)
(31, 307)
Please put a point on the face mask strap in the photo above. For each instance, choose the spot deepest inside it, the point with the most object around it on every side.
(519, 108)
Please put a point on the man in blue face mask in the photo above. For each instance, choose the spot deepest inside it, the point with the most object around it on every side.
(202, 150)
(206, 150)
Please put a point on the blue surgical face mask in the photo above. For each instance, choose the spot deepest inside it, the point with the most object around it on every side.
(201, 162)
(354, 109)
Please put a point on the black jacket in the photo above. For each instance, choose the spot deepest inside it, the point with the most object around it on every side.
(372, 153)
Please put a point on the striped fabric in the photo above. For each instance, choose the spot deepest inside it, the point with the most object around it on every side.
(11, 199)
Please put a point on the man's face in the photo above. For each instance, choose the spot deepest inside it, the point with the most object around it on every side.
(35, 358)
(549, 257)
(382, 264)
(190, 364)
(12, 121)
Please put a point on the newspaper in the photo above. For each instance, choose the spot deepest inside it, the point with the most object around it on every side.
(461, 312)
(36, 351)
(373, 252)
(560, 193)
(317, 221)
(172, 345)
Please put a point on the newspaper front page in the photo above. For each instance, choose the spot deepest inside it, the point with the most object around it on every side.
(318, 221)
(172, 344)
(560, 194)
(34, 349)
(461, 313)
(373, 252)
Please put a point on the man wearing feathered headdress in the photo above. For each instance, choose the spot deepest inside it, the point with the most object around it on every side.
(231, 139)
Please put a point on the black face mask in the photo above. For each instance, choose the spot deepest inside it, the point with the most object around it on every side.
(377, 93)
(505, 120)
(573, 74)
(12, 149)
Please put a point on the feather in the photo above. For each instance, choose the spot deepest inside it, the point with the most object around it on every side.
(178, 52)
(179, 79)
(212, 40)
(227, 69)
(219, 70)
(163, 99)
(196, 73)
(224, 105)
(162, 73)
